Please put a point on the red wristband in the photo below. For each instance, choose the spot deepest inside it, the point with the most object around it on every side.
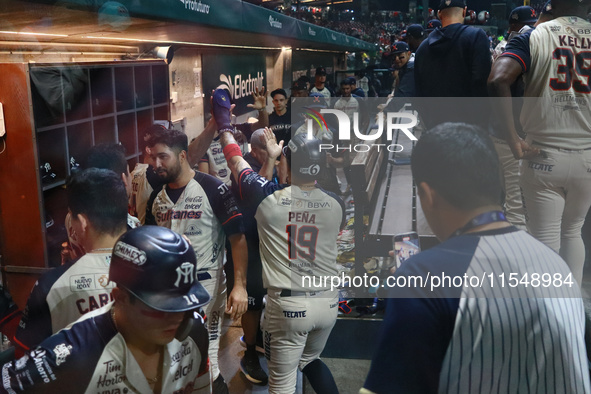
(232, 150)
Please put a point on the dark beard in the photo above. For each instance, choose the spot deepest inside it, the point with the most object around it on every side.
(170, 175)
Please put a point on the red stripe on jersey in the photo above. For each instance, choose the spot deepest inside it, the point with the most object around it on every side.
(520, 59)
(21, 344)
(248, 170)
(238, 214)
(10, 316)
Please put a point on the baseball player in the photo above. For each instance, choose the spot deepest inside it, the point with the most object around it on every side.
(112, 157)
(297, 226)
(320, 83)
(144, 180)
(149, 340)
(203, 209)
(556, 171)
(65, 293)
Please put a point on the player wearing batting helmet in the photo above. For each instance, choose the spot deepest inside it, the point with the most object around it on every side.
(149, 340)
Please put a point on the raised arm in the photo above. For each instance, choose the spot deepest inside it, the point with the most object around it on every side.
(273, 151)
(199, 145)
(233, 154)
(260, 104)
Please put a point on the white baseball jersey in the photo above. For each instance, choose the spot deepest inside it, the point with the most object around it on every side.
(348, 105)
(556, 61)
(297, 231)
(92, 357)
(214, 157)
(144, 181)
(325, 92)
(218, 167)
(206, 211)
(64, 294)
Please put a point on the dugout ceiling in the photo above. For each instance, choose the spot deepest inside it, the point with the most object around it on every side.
(146, 22)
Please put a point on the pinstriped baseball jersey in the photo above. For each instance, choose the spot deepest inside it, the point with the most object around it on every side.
(472, 339)
(64, 294)
(297, 231)
(556, 61)
(92, 357)
(205, 212)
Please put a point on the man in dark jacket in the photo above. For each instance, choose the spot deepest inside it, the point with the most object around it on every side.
(454, 61)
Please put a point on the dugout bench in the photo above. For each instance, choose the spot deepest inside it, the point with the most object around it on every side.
(384, 191)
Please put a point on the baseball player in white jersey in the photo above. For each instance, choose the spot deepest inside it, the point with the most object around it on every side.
(555, 59)
(148, 341)
(64, 294)
(203, 209)
(298, 226)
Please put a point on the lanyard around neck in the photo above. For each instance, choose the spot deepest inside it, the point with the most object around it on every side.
(481, 220)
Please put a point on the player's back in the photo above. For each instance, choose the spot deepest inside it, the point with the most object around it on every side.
(557, 108)
(298, 229)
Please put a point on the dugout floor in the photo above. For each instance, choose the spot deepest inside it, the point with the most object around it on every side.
(349, 374)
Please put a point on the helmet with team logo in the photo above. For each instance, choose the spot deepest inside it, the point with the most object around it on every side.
(305, 157)
(159, 267)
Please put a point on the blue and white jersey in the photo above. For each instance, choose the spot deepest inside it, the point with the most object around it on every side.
(556, 61)
(63, 295)
(492, 338)
(206, 212)
(92, 357)
(297, 231)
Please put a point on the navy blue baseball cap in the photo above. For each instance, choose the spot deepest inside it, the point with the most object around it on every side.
(415, 31)
(523, 14)
(320, 70)
(400, 46)
(433, 24)
(318, 102)
(547, 10)
(278, 91)
(451, 3)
